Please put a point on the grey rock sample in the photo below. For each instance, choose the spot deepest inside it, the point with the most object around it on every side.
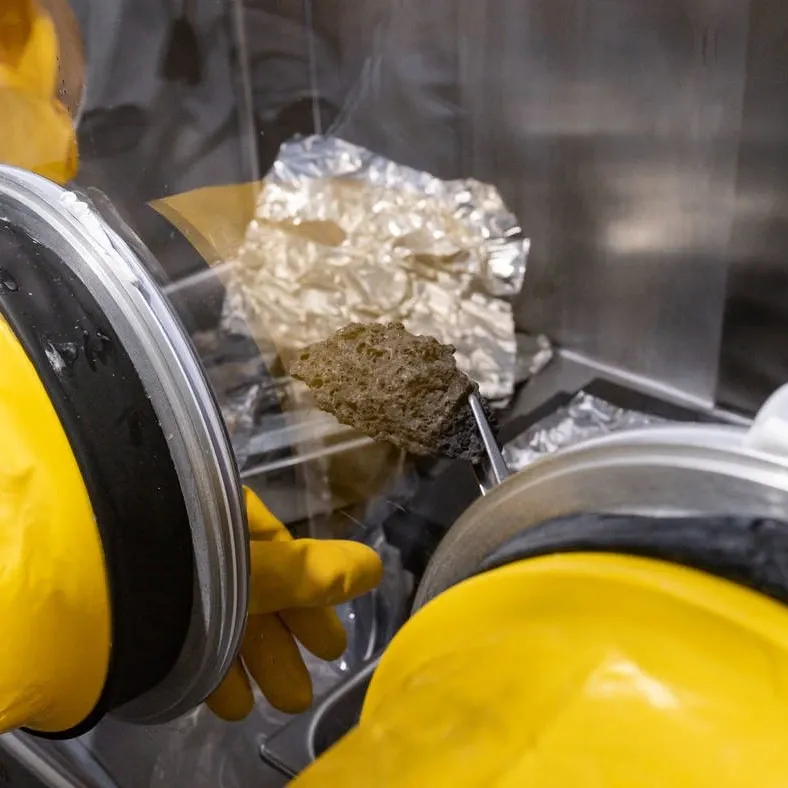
(394, 386)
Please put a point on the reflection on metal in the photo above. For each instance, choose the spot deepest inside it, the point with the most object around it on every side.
(619, 146)
(492, 470)
(55, 764)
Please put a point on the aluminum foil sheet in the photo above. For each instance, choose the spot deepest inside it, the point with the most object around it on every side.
(534, 353)
(584, 417)
(341, 234)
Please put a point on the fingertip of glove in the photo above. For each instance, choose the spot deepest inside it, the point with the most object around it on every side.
(296, 700)
(347, 569)
(333, 647)
(369, 564)
(232, 701)
(274, 661)
(319, 630)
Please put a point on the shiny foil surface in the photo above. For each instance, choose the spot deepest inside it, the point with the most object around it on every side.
(341, 235)
(584, 417)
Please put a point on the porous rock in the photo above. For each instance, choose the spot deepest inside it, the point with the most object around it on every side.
(394, 386)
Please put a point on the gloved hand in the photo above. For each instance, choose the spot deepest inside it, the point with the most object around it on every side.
(36, 132)
(294, 585)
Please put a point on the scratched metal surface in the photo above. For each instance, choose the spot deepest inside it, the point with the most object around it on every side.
(754, 356)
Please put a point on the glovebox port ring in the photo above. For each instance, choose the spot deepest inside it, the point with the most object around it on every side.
(124, 459)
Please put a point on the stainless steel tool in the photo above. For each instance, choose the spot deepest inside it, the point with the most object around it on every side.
(492, 470)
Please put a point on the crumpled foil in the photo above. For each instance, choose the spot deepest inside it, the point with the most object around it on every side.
(584, 417)
(342, 235)
(534, 353)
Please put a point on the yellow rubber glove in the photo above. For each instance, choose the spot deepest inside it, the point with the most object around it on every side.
(295, 584)
(36, 131)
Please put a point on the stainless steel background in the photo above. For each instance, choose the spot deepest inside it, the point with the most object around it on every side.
(755, 340)
(641, 145)
(617, 142)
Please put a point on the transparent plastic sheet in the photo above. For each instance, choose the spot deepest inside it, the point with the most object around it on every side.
(372, 620)
(344, 235)
(244, 388)
(584, 417)
(198, 749)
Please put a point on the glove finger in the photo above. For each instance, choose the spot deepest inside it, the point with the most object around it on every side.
(263, 525)
(310, 573)
(232, 700)
(318, 629)
(275, 663)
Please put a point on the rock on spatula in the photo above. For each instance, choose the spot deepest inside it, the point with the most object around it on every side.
(406, 389)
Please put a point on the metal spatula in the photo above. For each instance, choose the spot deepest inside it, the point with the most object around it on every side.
(492, 470)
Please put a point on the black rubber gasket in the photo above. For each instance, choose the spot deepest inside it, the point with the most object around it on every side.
(124, 459)
(752, 552)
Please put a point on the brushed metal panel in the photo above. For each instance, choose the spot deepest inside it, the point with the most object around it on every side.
(754, 357)
(611, 127)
